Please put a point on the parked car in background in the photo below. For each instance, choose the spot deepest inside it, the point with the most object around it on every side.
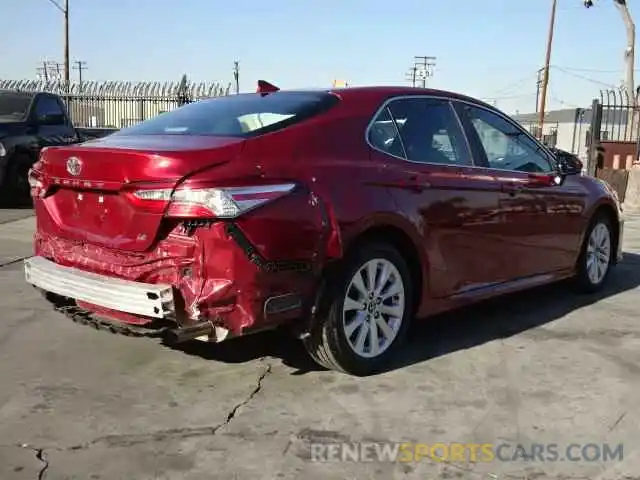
(28, 122)
(342, 213)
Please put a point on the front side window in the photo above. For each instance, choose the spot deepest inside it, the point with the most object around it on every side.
(506, 146)
(430, 131)
(48, 107)
(246, 115)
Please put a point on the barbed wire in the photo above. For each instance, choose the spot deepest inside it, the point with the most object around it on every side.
(119, 89)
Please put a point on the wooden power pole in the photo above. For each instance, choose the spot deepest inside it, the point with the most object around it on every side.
(547, 62)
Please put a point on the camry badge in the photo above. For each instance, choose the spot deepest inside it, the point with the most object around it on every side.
(74, 166)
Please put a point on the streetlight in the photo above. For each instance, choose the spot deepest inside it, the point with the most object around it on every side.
(65, 12)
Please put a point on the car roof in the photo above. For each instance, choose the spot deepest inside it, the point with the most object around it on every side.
(397, 91)
(378, 94)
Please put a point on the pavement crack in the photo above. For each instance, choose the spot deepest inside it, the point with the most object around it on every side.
(13, 262)
(129, 440)
(251, 396)
(42, 458)
(620, 418)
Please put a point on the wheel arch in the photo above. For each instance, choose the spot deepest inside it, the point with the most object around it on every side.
(404, 240)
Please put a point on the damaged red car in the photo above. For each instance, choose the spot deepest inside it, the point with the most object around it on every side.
(342, 213)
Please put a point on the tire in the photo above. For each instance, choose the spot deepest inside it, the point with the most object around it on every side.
(596, 256)
(329, 343)
(16, 183)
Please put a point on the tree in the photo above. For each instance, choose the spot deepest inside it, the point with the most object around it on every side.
(629, 52)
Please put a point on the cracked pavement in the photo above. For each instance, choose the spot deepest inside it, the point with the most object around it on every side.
(545, 366)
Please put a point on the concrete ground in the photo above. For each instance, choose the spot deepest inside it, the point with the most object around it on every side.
(547, 366)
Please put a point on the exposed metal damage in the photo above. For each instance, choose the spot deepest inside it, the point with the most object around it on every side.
(224, 283)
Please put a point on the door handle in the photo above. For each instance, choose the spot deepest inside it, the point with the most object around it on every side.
(512, 188)
(415, 184)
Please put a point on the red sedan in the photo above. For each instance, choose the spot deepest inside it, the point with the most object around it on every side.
(344, 213)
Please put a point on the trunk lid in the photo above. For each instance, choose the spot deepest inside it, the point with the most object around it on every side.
(91, 183)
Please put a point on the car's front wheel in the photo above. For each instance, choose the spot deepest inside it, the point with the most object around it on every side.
(364, 312)
(596, 256)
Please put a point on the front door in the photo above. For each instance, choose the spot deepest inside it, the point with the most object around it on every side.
(544, 223)
(430, 173)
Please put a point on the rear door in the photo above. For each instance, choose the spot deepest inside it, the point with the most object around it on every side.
(430, 172)
(543, 223)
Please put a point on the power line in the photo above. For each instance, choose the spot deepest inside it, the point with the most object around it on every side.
(585, 78)
(517, 83)
(590, 70)
(508, 97)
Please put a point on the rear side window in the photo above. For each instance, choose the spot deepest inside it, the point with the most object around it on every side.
(14, 106)
(423, 130)
(246, 115)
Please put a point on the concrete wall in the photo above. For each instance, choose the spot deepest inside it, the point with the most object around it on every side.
(632, 197)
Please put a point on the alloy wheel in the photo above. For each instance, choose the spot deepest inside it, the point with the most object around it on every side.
(373, 308)
(598, 253)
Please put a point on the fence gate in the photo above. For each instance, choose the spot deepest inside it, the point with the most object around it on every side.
(614, 138)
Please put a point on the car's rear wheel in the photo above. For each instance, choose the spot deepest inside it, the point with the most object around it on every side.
(364, 312)
(596, 256)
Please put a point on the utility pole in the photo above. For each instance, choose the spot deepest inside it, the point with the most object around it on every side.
(422, 69)
(411, 76)
(80, 66)
(65, 11)
(547, 62)
(49, 71)
(236, 75)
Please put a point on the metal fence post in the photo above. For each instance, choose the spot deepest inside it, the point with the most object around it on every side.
(595, 148)
(183, 92)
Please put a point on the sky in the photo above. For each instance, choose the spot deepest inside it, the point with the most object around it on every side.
(488, 49)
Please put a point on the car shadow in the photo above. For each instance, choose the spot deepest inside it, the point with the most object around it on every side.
(440, 335)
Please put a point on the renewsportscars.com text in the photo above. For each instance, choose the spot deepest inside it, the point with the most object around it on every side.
(466, 452)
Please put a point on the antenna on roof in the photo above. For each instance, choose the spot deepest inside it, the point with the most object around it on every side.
(265, 87)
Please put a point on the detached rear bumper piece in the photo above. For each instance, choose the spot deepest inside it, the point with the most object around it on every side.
(150, 300)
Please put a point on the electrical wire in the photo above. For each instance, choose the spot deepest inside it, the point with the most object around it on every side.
(585, 78)
(590, 70)
(517, 83)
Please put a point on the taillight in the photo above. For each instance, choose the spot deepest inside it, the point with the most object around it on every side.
(35, 184)
(228, 202)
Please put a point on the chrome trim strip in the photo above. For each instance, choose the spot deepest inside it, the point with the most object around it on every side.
(137, 298)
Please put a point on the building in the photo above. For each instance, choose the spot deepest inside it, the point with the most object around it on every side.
(569, 129)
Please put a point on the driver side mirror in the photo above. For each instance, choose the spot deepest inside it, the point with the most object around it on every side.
(568, 164)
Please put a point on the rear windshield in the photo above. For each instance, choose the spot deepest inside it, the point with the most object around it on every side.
(244, 115)
(14, 106)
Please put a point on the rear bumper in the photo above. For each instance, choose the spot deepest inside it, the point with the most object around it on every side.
(148, 300)
(209, 276)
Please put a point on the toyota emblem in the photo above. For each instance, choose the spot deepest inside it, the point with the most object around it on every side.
(74, 166)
